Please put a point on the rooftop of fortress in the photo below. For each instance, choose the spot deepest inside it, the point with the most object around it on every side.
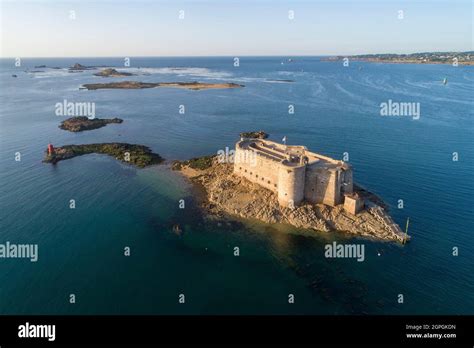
(289, 155)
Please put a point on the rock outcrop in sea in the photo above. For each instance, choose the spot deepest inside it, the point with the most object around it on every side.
(79, 67)
(255, 135)
(109, 72)
(83, 123)
(137, 155)
(140, 85)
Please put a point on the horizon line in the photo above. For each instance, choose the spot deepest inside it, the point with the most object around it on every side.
(233, 56)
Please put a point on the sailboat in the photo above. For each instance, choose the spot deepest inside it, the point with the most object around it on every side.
(445, 81)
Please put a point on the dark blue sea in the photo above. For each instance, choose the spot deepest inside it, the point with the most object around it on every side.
(337, 110)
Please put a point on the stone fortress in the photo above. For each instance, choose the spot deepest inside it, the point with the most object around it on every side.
(295, 174)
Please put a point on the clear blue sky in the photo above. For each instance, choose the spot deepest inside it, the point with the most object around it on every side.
(233, 28)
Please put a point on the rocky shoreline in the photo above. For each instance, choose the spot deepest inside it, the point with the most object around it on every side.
(228, 194)
(140, 85)
(83, 123)
(137, 155)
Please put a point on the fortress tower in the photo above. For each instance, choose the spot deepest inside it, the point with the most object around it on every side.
(293, 173)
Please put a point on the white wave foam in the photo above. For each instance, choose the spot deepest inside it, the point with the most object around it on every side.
(185, 71)
(49, 73)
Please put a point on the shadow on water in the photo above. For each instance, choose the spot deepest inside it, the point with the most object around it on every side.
(328, 279)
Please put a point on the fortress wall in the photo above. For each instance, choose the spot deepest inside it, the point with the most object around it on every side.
(332, 189)
(325, 158)
(353, 205)
(311, 186)
(337, 196)
(313, 183)
(321, 186)
(291, 182)
(343, 184)
(263, 171)
(349, 188)
(267, 171)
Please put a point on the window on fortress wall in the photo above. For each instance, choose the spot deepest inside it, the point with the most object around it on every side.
(240, 168)
(269, 182)
(251, 173)
(256, 175)
(246, 170)
(263, 179)
(275, 185)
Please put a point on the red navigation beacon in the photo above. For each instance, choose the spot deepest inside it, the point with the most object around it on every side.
(50, 149)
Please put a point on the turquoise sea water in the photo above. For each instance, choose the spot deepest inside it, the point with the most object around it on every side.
(336, 111)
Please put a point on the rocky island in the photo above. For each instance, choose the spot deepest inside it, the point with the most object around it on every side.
(248, 190)
(112, 73)
(83, 123)
(80, 67)
(139, 85)
(137, 155)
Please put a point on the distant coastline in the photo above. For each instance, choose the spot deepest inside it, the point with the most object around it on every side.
(455, 58)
